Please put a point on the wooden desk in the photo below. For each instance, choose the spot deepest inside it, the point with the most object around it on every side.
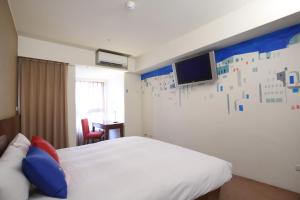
(106, 126)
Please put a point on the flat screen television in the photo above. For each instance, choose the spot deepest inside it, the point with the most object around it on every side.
(198, 69)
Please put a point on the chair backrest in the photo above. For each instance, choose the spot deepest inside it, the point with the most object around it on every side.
(85, 127)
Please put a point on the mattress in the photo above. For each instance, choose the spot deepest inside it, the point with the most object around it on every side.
(138, 168)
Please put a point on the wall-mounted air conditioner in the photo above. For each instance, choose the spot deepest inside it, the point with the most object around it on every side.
(111, 59)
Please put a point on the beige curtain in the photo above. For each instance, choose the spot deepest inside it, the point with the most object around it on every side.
(43, 100)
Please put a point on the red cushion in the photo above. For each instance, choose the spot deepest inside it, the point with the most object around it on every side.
(39, 142)
(96, 134)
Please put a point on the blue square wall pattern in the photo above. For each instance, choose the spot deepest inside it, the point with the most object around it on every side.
(292, 81)
(295, 90)
(221, 88)
(241, 108)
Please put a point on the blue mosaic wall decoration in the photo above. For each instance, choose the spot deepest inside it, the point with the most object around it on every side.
(263, 70)
(158, 72)
(270, 42)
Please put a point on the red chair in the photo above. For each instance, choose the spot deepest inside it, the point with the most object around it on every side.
(90, 135)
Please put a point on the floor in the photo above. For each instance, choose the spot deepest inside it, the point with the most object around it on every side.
(245, 189)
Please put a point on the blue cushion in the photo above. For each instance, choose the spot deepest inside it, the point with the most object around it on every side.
(44, 172)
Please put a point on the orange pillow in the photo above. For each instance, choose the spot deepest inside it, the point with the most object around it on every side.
(39, 142)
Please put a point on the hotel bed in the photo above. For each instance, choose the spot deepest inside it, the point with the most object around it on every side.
(138, 168)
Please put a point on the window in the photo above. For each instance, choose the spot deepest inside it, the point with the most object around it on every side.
(89, 102)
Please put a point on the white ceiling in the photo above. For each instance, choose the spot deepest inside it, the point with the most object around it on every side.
(109, 25)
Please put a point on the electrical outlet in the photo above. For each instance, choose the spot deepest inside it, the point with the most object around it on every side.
(298, 167)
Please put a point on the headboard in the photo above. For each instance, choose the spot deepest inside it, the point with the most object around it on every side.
(8, 129)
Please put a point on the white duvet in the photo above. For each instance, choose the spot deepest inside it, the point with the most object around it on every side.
(137, 168)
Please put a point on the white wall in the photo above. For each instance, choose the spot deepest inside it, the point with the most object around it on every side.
(253, 15)
(34, 48)
(133, 107)
(8, 62)
(262, 142)
(71, 111)
(114, 91)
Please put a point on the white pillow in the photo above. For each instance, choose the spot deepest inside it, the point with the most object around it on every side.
(14, 185)
(20, 141)
(20, 146)
(20, 138)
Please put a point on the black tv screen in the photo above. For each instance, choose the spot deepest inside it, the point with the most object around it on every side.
(196, 69)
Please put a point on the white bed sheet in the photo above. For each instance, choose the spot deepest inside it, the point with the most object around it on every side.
(137, 168)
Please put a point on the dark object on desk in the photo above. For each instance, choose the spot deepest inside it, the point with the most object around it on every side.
(90, 135)
(106, 126)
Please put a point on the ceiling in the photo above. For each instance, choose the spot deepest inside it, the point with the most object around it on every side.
(108, 24)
